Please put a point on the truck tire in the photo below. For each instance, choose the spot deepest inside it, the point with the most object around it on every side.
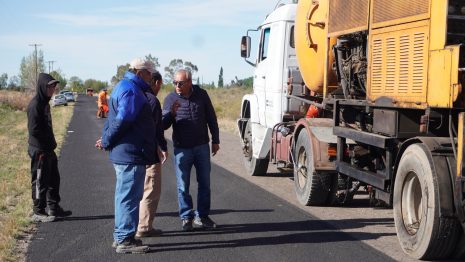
(254, 166)
(422, 233)
(312, 188)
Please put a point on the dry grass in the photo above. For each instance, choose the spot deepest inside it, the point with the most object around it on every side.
(16, 100)
(15, 200)
(227, 103)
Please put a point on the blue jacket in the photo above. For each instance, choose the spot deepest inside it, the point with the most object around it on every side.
(193, 118)
(129, 130)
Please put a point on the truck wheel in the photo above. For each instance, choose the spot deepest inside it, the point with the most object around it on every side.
(422, 233)
(254, 166)
(311, 187)
(459, 252)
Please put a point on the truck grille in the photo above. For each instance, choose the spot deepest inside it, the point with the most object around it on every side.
(399, 65)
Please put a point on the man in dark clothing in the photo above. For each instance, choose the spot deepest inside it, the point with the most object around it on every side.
(152, 185)
(44, 163)
(190, 111)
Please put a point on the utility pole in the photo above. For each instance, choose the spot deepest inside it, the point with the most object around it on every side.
(35, 62)
(50, 62)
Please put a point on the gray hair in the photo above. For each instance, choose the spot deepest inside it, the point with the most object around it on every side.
(186, 72)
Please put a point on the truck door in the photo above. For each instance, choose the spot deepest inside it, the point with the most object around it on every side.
(261, 73)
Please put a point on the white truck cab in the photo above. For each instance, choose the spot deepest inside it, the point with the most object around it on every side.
(266, 107)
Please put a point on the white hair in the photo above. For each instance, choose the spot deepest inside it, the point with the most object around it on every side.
(186, 72)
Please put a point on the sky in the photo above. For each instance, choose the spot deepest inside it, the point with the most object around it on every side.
(89, 39)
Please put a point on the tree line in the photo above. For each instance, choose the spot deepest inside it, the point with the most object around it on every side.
(29, 69)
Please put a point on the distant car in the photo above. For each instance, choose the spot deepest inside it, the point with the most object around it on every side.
(69, 96)
(59, 100)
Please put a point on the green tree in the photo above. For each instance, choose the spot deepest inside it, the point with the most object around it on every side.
(153, 59)
(177, 64)
(58, 75)
(122, 69)
(14, 83)
(28, 71)
(95, 85)
(246, 82)
(3, 81)
(220, 79)
(76, 84)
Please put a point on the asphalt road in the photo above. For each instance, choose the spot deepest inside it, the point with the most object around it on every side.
(254, 224)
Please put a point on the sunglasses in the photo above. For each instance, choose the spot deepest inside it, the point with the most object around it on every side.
(179, 83)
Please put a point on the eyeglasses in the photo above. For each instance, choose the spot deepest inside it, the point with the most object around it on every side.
(180, 83)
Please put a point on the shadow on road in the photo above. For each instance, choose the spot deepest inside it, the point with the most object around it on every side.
(307, 232)
(89, 218)
(217, 212)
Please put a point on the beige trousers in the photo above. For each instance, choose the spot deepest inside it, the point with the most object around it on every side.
(149, 203)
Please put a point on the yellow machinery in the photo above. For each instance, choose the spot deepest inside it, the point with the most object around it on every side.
(389, 75)
(407, 42)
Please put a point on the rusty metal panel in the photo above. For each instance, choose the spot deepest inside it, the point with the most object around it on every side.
(348, 15)
(388, 10)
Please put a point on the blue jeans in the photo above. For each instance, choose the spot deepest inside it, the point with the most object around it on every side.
(184, 159)
(128, 193)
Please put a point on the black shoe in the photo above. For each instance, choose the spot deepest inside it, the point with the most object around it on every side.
(42, 216)
(115, 244)
(204, 222)
(131, 246)
(187, 224)
(59, 212)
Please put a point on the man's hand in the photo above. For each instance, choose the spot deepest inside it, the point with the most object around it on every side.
(215, 148)
(174, 108)
(98, 144)
(163, 156)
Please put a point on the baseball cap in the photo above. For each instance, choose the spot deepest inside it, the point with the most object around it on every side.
(54, 81)
(139, 64)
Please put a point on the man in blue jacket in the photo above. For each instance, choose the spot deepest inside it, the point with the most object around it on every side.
(190, 111)
(128, 134)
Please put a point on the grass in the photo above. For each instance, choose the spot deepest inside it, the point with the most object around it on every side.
(15, 196)
(227, 104)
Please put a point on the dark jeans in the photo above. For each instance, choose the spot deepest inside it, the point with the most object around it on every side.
(46, 189)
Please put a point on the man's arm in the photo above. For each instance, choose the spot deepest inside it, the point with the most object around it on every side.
(212, 120)
(129, 107)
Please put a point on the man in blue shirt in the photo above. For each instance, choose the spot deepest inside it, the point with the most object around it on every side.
(129, 136)
(190, 111)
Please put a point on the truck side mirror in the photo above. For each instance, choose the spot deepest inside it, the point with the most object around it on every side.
(245, 47)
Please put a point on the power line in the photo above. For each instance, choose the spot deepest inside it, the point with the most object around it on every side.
(35, 62)
(50, 63)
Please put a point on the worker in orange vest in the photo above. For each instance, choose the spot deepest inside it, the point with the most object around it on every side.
(102, 104)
